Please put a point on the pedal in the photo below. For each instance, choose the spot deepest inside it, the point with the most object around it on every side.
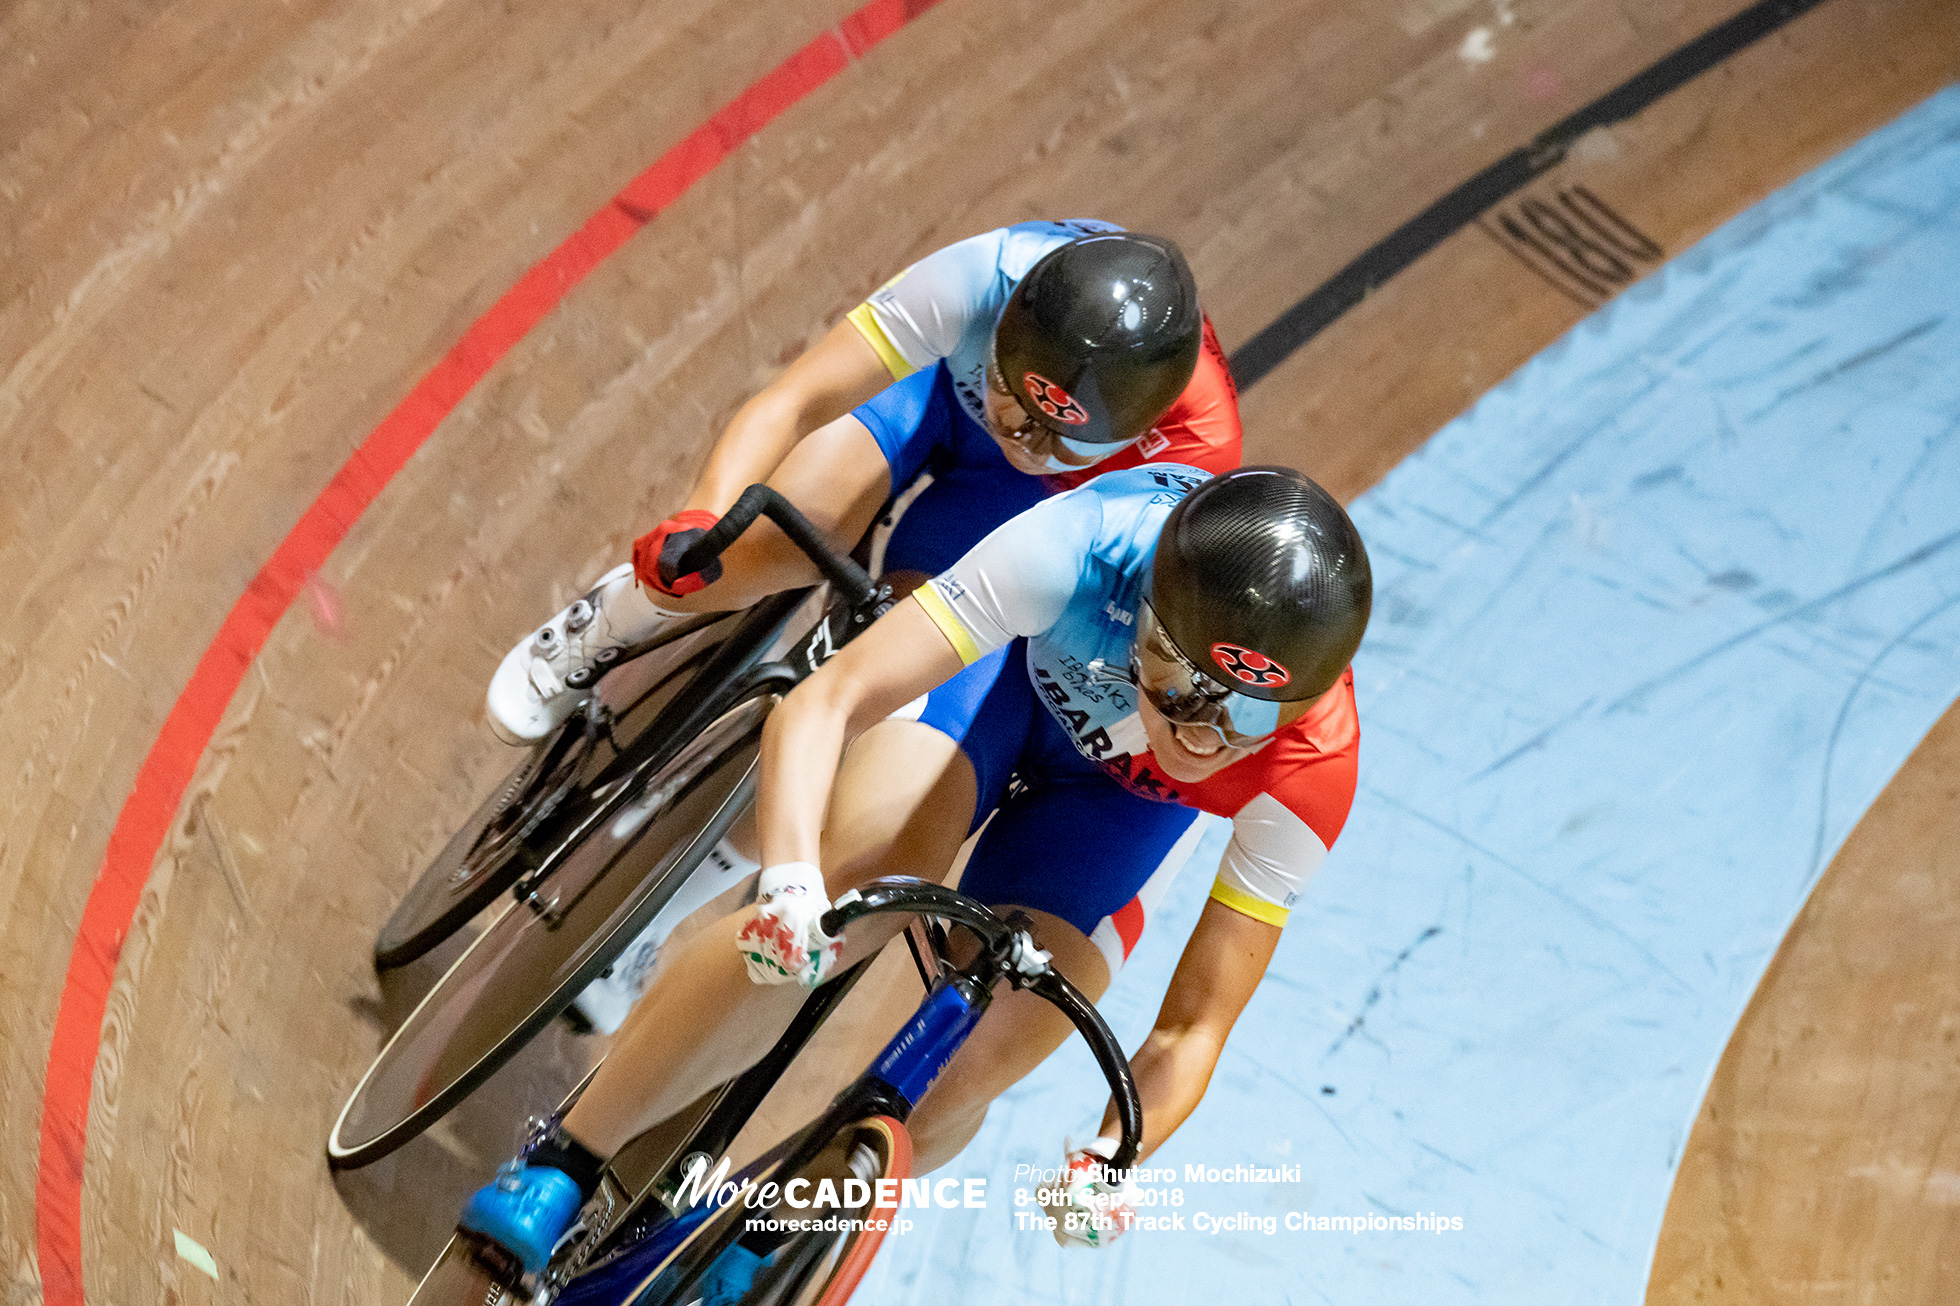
(597, 1221)
(471, 1272)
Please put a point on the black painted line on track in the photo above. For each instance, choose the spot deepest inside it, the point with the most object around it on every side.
(1464, 205)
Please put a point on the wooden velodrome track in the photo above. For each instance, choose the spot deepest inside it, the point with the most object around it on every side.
(234, 237)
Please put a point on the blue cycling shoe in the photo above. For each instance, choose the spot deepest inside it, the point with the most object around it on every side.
(525, 1210)
(730, 1278)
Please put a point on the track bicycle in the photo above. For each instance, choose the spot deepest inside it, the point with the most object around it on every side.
(652, 1238)
(595, 834)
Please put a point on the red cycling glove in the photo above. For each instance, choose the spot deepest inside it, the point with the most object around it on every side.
(657, 554)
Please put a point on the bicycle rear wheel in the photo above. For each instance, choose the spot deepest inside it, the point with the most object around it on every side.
(495, 846)
(542, 951)
(479, 862)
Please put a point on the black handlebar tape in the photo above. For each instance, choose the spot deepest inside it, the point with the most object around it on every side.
(1088, 1022)
(761, 501)
(904, 894)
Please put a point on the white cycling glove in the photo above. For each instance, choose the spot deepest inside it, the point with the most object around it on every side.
(785, 942)
(1088, 1209)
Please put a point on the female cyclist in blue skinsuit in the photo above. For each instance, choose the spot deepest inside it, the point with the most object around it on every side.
(1148, 647)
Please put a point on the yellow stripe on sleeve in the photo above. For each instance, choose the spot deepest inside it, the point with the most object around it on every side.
(948, 622)
(1244, 903)
(866, 322)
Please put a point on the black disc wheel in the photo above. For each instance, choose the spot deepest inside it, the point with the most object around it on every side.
(543, 950)
(511, 834)
(481, 859)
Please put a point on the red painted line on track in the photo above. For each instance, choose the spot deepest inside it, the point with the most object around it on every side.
(166, 772)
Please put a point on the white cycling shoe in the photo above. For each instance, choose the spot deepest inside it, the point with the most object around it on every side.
(529, 695)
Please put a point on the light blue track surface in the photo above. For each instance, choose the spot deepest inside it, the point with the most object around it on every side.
(1655, 622)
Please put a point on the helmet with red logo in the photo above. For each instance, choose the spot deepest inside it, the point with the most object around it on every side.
(1261, 582)
(1100, 337)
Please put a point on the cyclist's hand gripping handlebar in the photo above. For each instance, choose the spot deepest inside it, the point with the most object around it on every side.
(852, 583)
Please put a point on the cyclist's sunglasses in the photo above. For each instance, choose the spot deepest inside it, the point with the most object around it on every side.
(1185, 696)
(1036, 433)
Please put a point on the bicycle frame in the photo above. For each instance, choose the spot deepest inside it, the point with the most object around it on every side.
(735, 670)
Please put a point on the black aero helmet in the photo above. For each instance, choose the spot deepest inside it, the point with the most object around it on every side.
(1101, 336)
(1262, 582)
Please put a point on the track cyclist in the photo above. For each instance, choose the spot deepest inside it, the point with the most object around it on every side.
(1148, 647)
(981, 379)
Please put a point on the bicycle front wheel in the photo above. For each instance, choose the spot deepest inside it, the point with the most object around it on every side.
(745, 1251)
(822, 1267)
(542, 951)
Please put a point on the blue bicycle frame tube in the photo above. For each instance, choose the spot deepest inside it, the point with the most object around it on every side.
(916, 1055)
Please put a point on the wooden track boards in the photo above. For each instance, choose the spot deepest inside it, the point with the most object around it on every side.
(232, 237)
(1824, 1167)
(1425, 346)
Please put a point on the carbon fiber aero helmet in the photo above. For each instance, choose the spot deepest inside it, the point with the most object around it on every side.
(1262, 582)
(1101, 336)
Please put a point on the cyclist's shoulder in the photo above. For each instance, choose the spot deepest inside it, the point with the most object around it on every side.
(1202, 424)
(1000, 257)
(1111, 524)
(988, 266)
(1024, 243)
(1165, 482)
(1086, 547)
(1133, 501)
(931, 307)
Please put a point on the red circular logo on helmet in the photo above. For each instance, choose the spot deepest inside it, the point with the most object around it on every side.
(1053, 400)
(1252, 667)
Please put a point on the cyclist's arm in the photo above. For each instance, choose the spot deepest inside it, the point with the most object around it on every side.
(1275, 849)
(839, 478)
(903, 655)
(906, 325)
(1221, 966)
(835, 375)
(1015, 582)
